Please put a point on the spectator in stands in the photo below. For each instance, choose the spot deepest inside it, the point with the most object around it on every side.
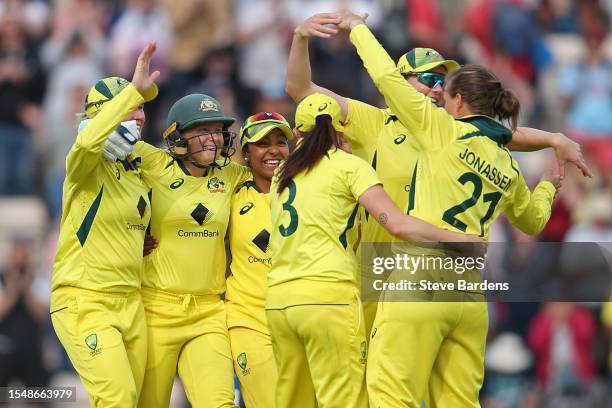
(587, 89)
(507, 380)
(23, 310)
(73, 59)
(21, 89)
(140, 22)
(562, 337)
(263, 35)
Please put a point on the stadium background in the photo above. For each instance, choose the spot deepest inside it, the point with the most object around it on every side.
(555, 53)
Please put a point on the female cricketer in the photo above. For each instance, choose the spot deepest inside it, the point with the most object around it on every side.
(462, 153)
(96, 306)
(263, 138)
(191, 188)
(378, 137)
(312, 306)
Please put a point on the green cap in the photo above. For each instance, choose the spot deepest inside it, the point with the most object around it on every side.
(424, 59)
(193, 110)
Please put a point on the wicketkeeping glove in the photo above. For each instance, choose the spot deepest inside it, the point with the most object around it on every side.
(120, 142)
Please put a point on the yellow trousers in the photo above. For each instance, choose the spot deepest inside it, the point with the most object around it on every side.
(427, 351)
(320, 353)
(189, 333)
(254, 366)
(104, 335)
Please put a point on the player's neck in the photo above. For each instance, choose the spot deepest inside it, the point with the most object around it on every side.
(195, 170)
(263, 184)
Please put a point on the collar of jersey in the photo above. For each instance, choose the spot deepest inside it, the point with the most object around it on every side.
(487, 127)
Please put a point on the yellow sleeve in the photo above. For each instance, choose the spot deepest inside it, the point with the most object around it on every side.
(151, 157)
(86, 153)
(360, 176)
(606, 314)
(529, 211)
(363, 126)
(433, 127)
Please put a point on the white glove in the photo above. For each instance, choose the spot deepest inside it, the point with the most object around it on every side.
(120, 142)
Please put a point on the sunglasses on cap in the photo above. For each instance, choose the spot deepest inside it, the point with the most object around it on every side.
(254, 123)
(429, 79)
(263, 116)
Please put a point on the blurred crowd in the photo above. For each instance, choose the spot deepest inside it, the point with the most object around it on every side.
(556, 54)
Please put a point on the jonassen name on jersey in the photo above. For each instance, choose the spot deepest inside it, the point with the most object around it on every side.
(486, 169)
(198, 234)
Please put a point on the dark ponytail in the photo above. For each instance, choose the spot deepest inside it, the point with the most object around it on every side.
(484, 93)
(507, 106)
(314, 146)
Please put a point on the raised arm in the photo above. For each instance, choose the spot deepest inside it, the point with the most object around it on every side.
(432, 127)
(299, 75)
(86, 153)
(406, 227)
(566, 150)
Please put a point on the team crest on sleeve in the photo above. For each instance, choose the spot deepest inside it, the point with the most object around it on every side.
(216, 185)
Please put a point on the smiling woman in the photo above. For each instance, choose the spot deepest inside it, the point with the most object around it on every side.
(191, 185)
(263, 138)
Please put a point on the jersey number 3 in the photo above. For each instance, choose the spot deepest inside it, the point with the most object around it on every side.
(293, 221)
(492, 198)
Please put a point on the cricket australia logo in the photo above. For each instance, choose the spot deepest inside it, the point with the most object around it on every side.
(216, 185)
(242, 362)
(363, 348)
(92, 342)
(208, 106)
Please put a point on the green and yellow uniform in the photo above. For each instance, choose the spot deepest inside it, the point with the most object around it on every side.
(249, 235)
(184, 278)
(378, 137)
(462, 181)
(96, 307)
(313, 306)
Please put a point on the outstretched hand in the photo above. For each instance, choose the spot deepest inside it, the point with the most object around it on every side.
(142, 80)
(318, 25)
(568, 151)
(350, 20)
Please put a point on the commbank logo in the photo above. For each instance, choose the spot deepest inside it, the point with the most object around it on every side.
(201, 214)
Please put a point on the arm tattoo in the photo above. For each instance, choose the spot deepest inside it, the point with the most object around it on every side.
(383, 218)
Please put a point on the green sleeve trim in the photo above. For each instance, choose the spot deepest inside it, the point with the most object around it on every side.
(367, 214)
(518, 173)
(412, 189)
(349, 225)
(87, 223)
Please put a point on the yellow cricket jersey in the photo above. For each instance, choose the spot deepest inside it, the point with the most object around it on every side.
(249, 235)
(378, 137)
(465, 176)
(308, 242)
(189, 218)
(105, 209)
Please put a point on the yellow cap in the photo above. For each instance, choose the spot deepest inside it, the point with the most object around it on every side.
(105, 89)
(315, 105)
(424, 59)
